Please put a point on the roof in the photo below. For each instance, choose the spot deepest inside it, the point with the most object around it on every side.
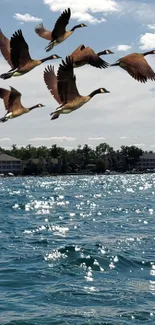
(5, 157)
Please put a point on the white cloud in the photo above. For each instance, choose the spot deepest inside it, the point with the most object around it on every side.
(85, 10)
(69, 139)
(68, 148)
(151, 26)
(147, 41)
(26, 18)
(122, 138)
(123, 47)
(138, 144)
(138, 10)
(5, 139)
(96, 138)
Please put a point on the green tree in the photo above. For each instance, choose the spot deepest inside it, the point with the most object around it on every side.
(102, 149)
(130, 156)
(100, 165)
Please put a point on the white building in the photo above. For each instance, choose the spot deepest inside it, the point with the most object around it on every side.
(9, 164)
(146, 161)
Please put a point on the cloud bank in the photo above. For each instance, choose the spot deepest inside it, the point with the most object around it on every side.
(147, 41)
(96, 139)
(85, 10)
(4, 139)
(63, 138)
(151, 26)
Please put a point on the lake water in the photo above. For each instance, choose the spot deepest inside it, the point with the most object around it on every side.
(77, 250)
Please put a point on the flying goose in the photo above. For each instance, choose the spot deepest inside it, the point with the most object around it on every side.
(5, 48)
(136, 65)
(63, 88)
(12, 103)
(20, 57)
(85, 55)
(59, 33)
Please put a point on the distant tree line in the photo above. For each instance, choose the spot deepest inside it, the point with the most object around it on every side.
(83, 159)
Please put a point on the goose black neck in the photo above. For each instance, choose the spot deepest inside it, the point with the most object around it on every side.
(146, 53)
(101, 53)
(31, 108)
(95, 92)
(75, 27)
(46, 59)
(114, 64)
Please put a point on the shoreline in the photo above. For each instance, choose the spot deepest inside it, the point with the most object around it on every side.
(81, 174)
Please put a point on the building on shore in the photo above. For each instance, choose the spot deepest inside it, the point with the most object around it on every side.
(146, 161)
(9, 164)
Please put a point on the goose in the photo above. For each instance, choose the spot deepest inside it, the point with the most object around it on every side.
(136, 65)
(5, 48)
(12, 103)
(63, 88)
(59, 33)
(86, 55)
(20, 57)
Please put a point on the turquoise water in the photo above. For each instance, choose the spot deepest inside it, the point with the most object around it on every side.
(77, 250)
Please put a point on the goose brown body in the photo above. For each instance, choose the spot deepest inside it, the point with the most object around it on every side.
(63, 88)
(13, 105)
(59, 33)
(136, 65)
(20, 57)
(86, 55)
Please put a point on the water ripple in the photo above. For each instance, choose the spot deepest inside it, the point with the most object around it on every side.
(77, 250)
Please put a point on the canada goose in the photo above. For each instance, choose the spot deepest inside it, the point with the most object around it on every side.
(59, 33)
(64, 89)
(136, 65)
(5, 48)
(85, 55)
(20, 57)
(12, 103)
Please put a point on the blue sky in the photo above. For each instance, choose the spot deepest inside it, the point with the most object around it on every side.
(125, 116)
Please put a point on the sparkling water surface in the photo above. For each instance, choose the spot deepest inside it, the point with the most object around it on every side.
(77, 250)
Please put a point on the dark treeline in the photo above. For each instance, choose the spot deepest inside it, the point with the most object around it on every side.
(84, 159)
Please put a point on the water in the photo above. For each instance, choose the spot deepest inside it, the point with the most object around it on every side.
(77, 250)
